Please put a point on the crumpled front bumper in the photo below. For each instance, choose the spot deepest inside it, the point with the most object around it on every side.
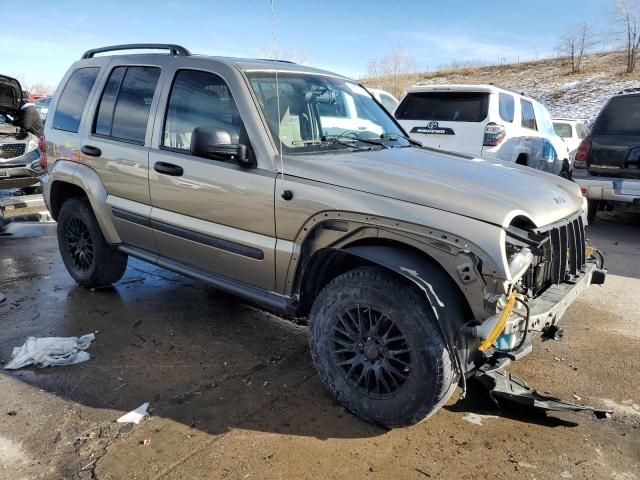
(551, 305)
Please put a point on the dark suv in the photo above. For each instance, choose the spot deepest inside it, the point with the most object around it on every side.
(611, 154)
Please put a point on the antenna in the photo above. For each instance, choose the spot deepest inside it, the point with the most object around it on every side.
(286, 194)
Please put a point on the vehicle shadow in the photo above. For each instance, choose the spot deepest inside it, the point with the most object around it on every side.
(617, 232)
(478, 401)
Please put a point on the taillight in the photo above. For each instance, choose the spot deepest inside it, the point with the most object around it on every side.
(42, 146)
(494, 134)
(582, 154)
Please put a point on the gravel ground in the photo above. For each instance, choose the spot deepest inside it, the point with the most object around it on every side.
(234, 395)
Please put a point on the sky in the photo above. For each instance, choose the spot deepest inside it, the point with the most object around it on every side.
(337, 35)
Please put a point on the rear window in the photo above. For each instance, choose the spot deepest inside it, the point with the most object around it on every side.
(621, 116)
(563, 130)
(124, 108)
(444, 106)
(74, 98)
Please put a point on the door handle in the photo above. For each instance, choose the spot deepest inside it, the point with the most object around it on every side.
(91, 151)
(168, 169)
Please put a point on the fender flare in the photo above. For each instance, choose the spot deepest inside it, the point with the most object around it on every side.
(416, 269)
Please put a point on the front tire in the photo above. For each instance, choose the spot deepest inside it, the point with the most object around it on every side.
(89, 259)
(378, 348)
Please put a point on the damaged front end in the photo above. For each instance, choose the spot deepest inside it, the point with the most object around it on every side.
(549, 268)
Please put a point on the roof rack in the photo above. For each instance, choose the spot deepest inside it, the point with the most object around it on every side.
(629, 90)
(276, 60)
(173, 49)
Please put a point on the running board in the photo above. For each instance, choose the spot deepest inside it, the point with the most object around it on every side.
(504, 386)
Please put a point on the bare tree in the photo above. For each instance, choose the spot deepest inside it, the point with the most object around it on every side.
(627, 15)
(273, 52)
(576, 42)
(392, 71)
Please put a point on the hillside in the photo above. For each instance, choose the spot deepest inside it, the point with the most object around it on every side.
(548, 81)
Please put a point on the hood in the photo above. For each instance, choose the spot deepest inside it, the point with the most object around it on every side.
(10, 95)
(480, 188)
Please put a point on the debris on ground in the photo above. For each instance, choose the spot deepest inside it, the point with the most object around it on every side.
(135, 416)
(51, 352)
(3, 297)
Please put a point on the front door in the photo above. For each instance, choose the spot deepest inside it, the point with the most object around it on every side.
(210, 214)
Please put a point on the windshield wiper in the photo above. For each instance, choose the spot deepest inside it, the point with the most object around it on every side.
(396, 136)
(348, 141)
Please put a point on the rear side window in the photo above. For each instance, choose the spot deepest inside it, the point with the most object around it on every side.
(74, 98)
(507, 107)
(528, 117)
(444, 106)
(621, 116)
(563, 130)
(124, 108)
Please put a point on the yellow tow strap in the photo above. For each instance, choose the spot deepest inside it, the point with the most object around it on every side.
(497, 330)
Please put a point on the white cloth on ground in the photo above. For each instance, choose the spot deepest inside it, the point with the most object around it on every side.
(51, 351)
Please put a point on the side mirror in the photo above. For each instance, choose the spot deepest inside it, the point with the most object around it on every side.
(215, 143)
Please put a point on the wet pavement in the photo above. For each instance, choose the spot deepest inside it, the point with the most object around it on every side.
(233, 392)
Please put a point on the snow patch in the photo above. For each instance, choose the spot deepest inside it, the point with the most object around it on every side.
(476, 418)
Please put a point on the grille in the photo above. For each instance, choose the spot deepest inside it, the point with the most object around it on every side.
(12, 150)
(560, 258)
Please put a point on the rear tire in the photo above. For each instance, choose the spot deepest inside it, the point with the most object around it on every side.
(89, 259)
(593, 206)
(393, 379)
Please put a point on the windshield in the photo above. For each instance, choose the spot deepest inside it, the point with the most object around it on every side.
(562, 129)
(318, 113)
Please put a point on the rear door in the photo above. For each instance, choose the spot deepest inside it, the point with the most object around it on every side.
(615, 148)
(451, 120)
(116, 146)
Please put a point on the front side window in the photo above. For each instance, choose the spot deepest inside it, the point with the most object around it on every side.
(73, 99)
(444, 106)
(199, 99)
(507, 107)
(316, 113)
(124, 108)
(563, 130)
(528, 117)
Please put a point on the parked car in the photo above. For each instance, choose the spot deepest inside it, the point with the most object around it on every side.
(387, 100)
(487, 121)
(609, 158)
(572, 131)
(42, 105)
(21, 157)
(415, 267)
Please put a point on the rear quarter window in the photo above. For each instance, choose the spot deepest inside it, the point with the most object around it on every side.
(74, 98)
(444, 106)
(507, 106)
(621, 116)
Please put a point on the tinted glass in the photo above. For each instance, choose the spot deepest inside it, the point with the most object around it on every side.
(199, 99)
(563, 130)
(621, 116)
(131, 112)
(74, 98)
(444, 106)
(108, 101)
(528, 117)
(507, 107)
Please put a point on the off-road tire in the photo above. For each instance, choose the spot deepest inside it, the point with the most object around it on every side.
(431, 379)
(106, 264)
(594, 206)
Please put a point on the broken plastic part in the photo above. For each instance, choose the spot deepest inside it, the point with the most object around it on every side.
(504, 386)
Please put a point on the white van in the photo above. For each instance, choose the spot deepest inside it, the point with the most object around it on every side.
(487, 121)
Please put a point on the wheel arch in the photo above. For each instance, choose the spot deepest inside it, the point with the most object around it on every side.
(70, 179)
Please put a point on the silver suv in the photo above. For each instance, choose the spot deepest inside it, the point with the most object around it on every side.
(415, 267)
